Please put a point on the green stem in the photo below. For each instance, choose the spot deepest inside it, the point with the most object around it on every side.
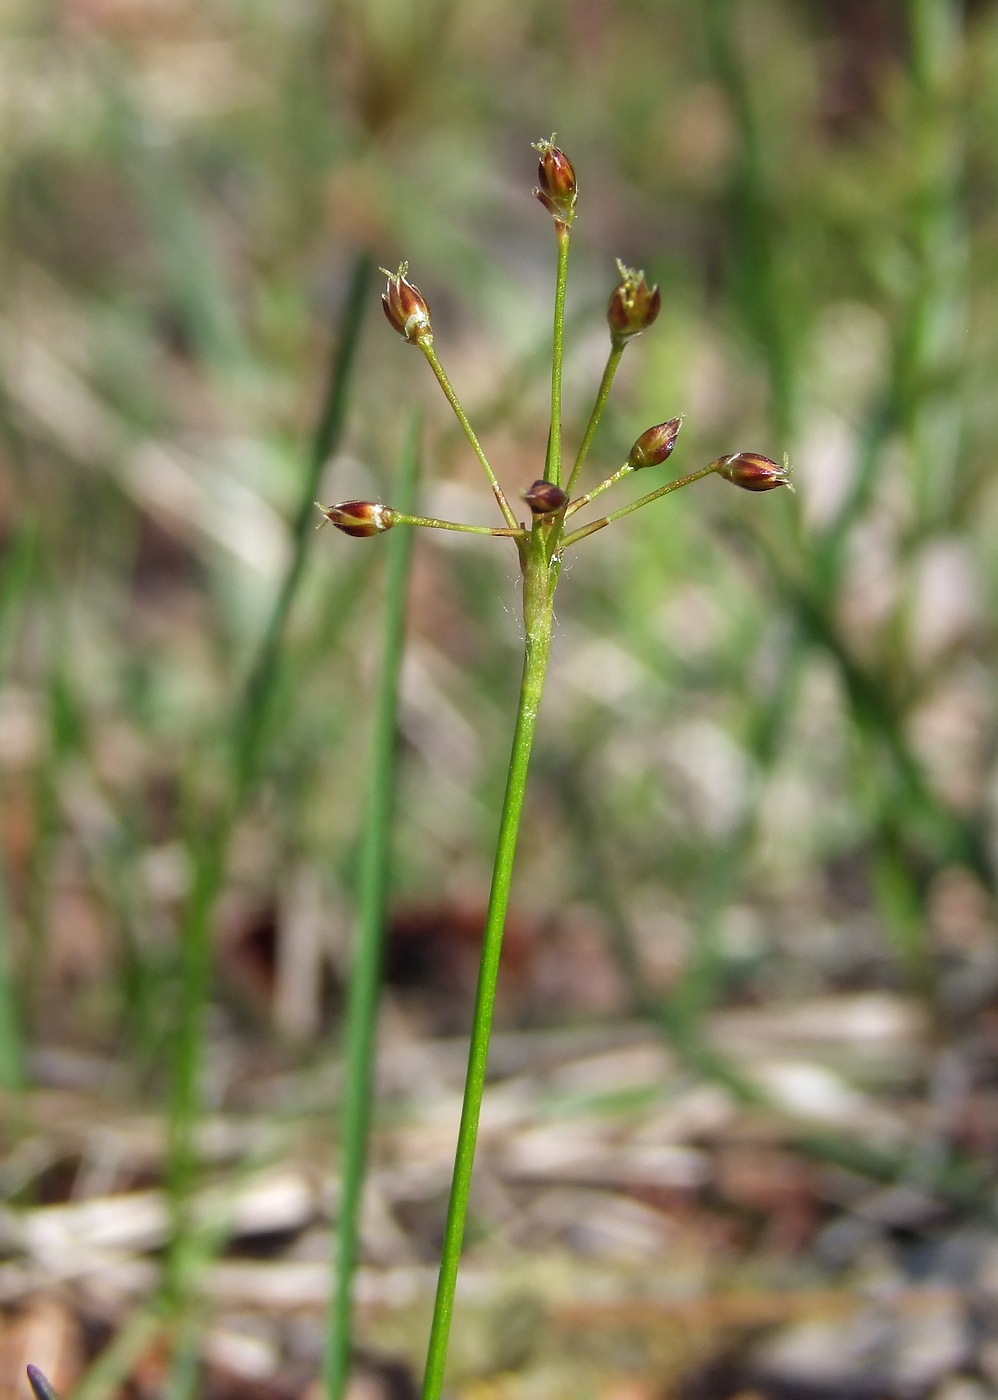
(210, 849)
(426, 345)
(402, 518)
(194, 975)
(365, 971)
(116, 1362)
(618, 475)
(15, 584)
(606, 384)
(605, 520)
(756, 262)
(540, 577)
(552, 468)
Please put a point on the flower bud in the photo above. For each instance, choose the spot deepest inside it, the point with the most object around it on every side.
(360, 518)
(654, 445)
(633, 306)
(557, 189)
(544, 497)
(753, 472)
(405, 306)
(40, 1384)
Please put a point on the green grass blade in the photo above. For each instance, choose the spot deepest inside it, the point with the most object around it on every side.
(210, 849)
(372, 898)
(14, 587)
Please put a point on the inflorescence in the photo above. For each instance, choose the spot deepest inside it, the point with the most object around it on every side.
(633, 308)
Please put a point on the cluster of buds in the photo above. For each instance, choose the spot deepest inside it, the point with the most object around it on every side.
(633, 307)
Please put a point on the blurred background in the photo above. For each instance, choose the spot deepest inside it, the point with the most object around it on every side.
(741, 1133)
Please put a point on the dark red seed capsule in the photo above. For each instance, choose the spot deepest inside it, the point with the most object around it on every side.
(634, 305)
(544, 497)
(753, 472)
(360, 518)
(655, 444)
(405, 306)
(557, 188)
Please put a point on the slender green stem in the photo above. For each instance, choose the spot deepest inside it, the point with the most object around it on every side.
(426, 345)
(552, 469)
(11, 1047)
(116, 1362)
(365, 972)
(540, 576)
(606, 383)
(756, 265)
(210, 848)
(15, 585)
(401, 518)
(618, 475)
(634, 505)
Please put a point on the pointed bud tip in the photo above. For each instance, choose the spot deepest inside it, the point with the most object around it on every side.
(753, 472)
(40, 1385)
(406, 307)
(655, 444)
(557, 188)
(360, 518)
(634, 306)
(544, 497)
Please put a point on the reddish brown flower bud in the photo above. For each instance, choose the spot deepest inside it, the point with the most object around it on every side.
(360, 518)
(557, 189)
(544, 497)
(654, 445)
(633, 306)
(406, 307)
(753, 472)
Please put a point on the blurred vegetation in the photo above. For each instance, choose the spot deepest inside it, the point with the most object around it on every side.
(766, 765)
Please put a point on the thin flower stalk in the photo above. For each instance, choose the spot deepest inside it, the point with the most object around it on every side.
(606, 520)
(603, 394)
(652, 448)
(552, 467)
(431, 357)
(558, 190)
(604, 485)
(633, 307)
(364, 518)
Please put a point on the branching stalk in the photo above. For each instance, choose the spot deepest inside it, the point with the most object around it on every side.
(426, 345)
(605, 485)
(605, 520)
